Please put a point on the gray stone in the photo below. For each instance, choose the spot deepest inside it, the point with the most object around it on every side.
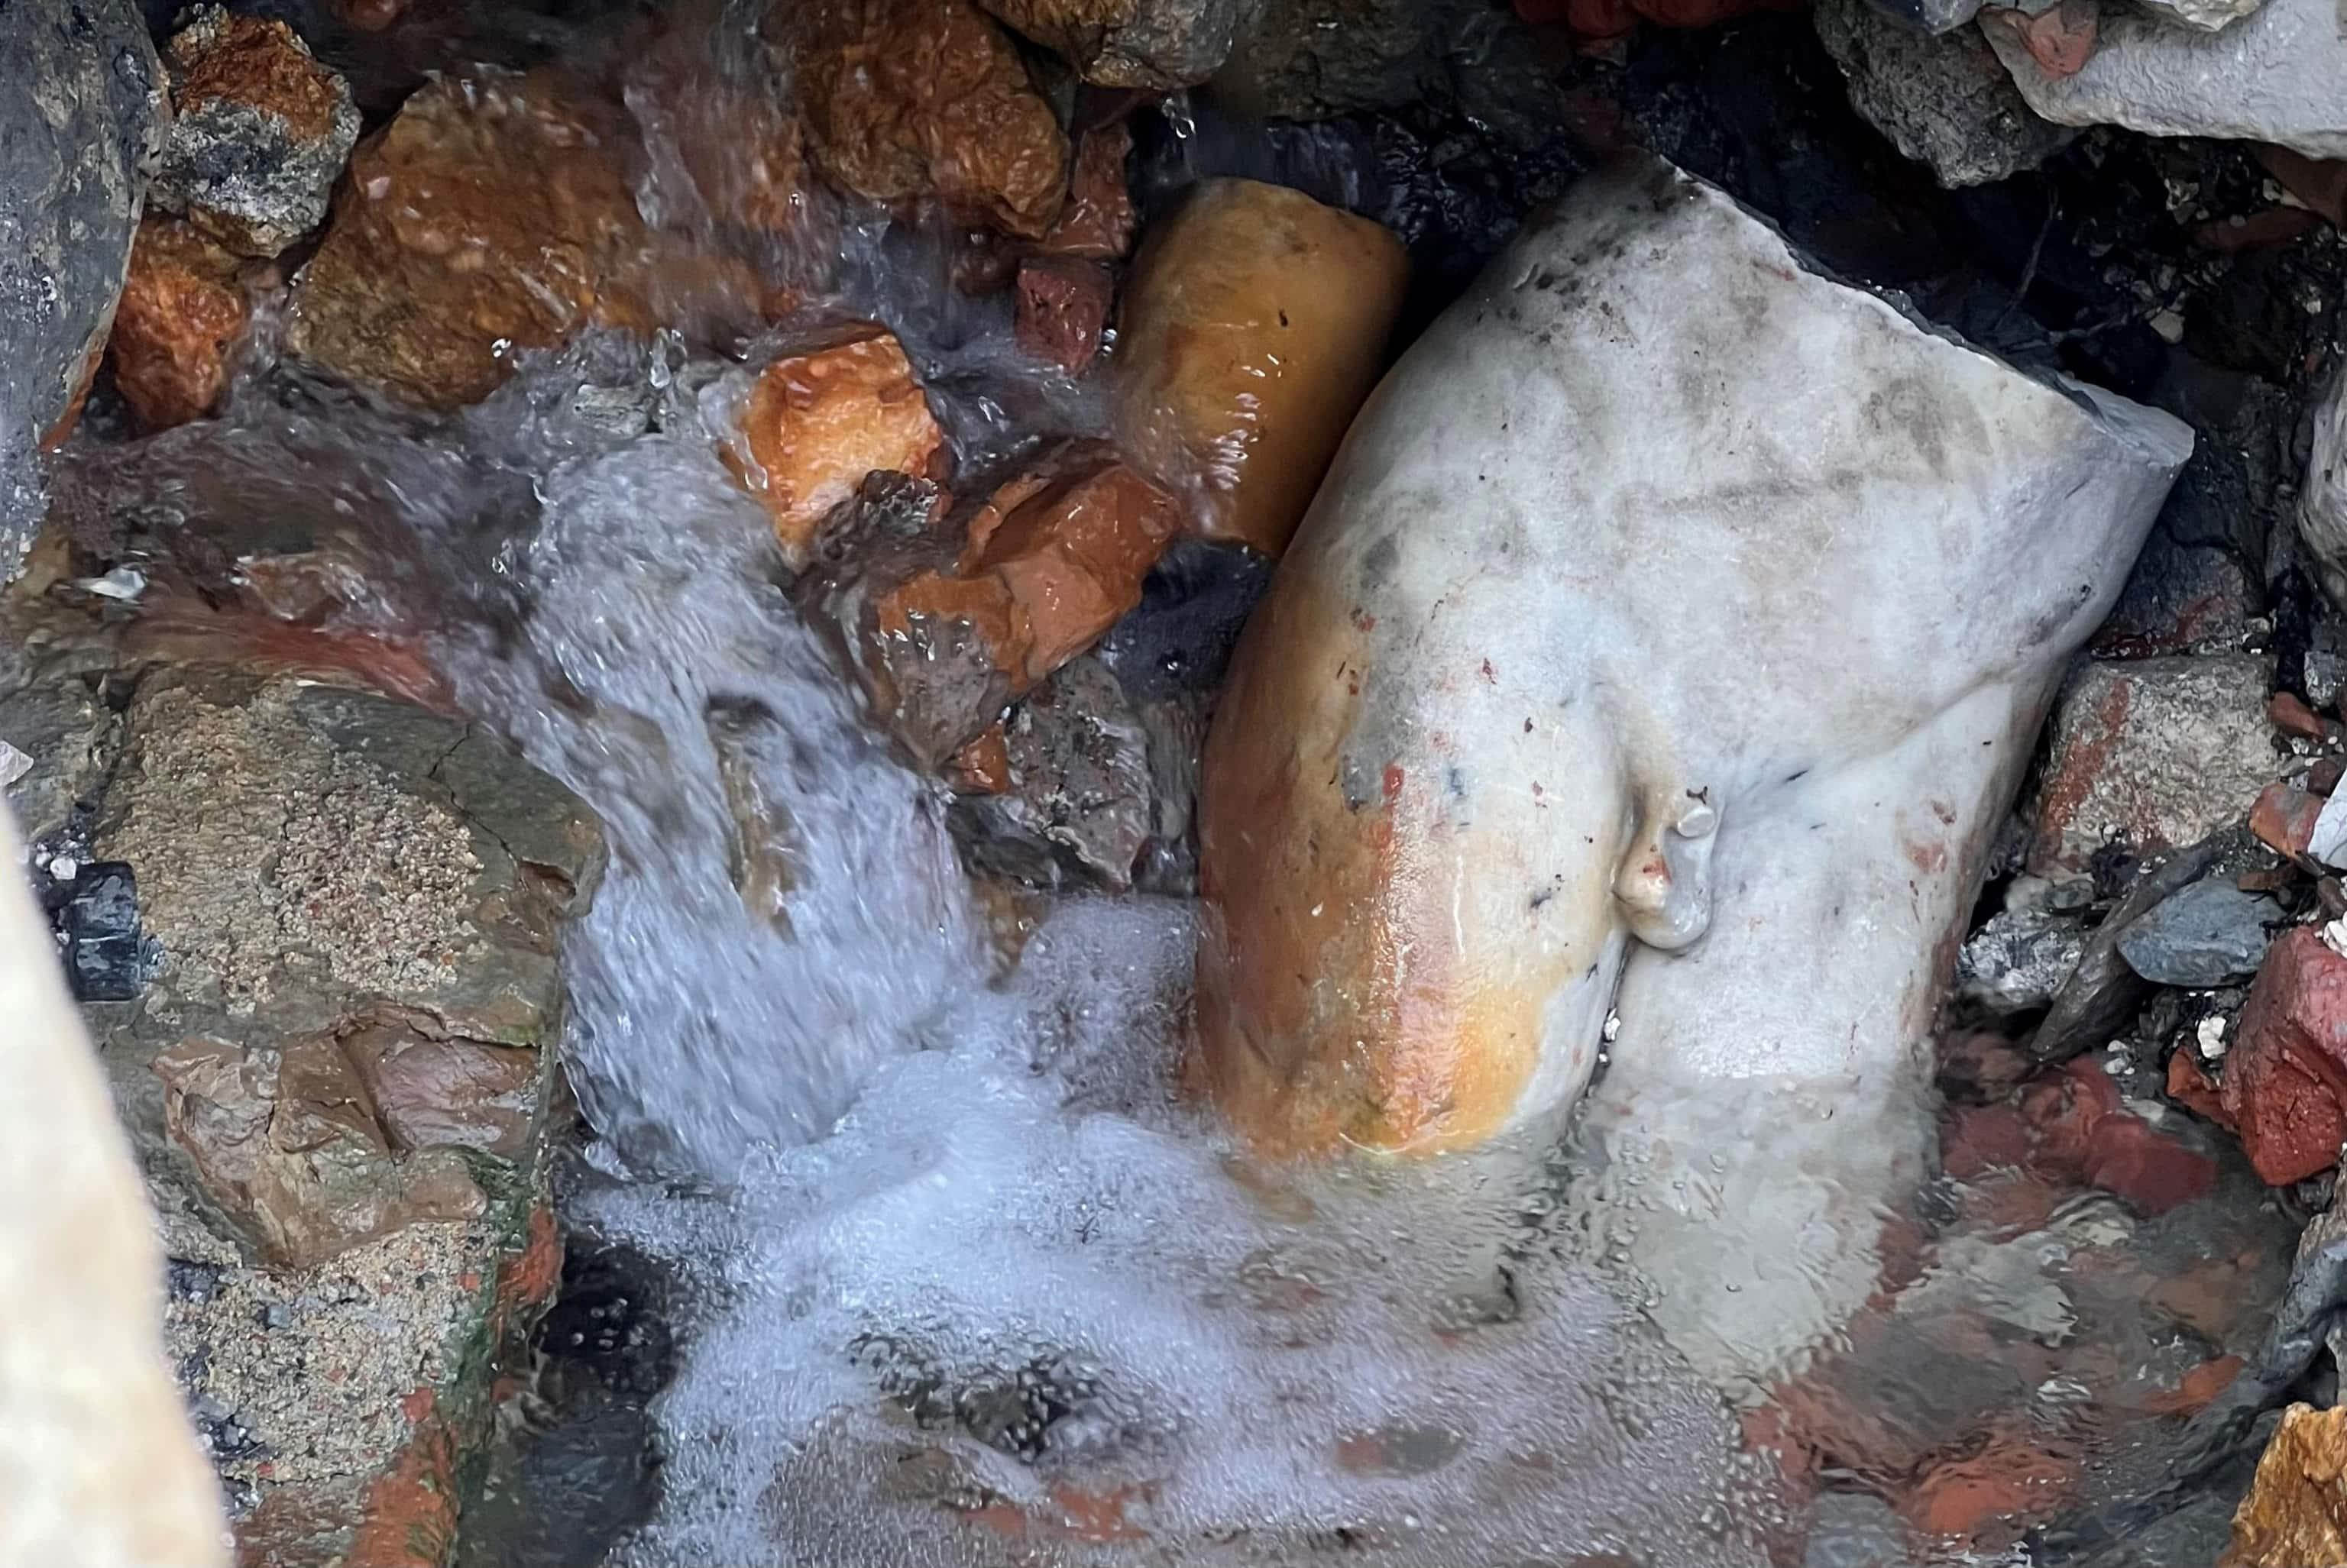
(2280, 76)
(2207, 934)
(1943, 101)
(2180, 598)
(1080, 802)
(261, 134)
(1156, 45)
(2151, 754)
(355, 905)
(2020, 959)
(2323, 501)
(2207, 15)
(81, 124)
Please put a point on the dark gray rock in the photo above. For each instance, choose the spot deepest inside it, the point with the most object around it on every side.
(81, 121)
(1080, 803)
(2020, 959)
(1945, 102)
(1155, 44)
(2206, 934)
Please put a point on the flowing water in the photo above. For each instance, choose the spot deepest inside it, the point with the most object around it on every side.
(963, 1278)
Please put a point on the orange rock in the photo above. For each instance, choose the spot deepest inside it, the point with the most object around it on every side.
(946, 625)
(1098, 220)
(1254, 325)
(180, 314)
(818, 422)
(983, 766)
(2196, 1388)
(1062, 306)
(2295, 1515)
(914, 98)
(488, 216)
(2289, 713)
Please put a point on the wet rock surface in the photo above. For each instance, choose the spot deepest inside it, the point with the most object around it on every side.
(80, 134)
(260, 131)
(176, 330)
(1943, 101)
(332, 1035)
(1150, 44)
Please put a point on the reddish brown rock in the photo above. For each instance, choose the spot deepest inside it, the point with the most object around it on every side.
(2321, 183)
(908, 99)
(2285, 1080)
(817, 423)
(1989, 1499)
(983, 766)
(1254, 326)
(2082, 1131)
(488, 216)
(1063, 307)
(259, 133)
(2295, 1515)
(2191, 1088)
(181, 314)
(2059, 39)
(2288, 712)
(2283, 819)
(1099, 219)
(947, 624)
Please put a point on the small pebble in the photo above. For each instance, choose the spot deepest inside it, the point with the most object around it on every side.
(2210, 1033)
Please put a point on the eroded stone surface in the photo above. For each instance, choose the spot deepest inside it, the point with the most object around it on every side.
(1253, 324)
(2274, 77)
(2152, 754)
(2296, 1511)
(915, 98)
(489, 215)
(1077, 788)
(260, 131)
(181, 314)
(1158, 45)
(353, 905)
(1943, 101)
(816, 424)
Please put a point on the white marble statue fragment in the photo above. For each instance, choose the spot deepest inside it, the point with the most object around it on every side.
(1669, 636)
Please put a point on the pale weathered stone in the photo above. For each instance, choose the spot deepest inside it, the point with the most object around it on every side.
(1681, 648)
(1254, 325)
(99, 1467)
(2279, 75)
(2322, 503)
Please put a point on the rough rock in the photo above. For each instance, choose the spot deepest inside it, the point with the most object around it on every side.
(490, 215)
(182, 317)
(1194, 602)
(2020, 959)
(1943, 101)
(79, 131)
(2273, 77)
(259, 133)
(2322, 503)
(2296, 1511)
(2103, 993)
(97, 1436)
(2284, 819)
(2287, 1068)
(945, 623)
(60, 724)
(1099, 219)
(815, 423)
(1063, 307)
(2080, 1130)
(1154, 44)
(1078, 801)
(1254, 326)
(1315, 59)
(2154, 753)
(908, 99)
(354, 905)
(2209, 15)
(2207, 934)
(2060, 37)
(2180, 598)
